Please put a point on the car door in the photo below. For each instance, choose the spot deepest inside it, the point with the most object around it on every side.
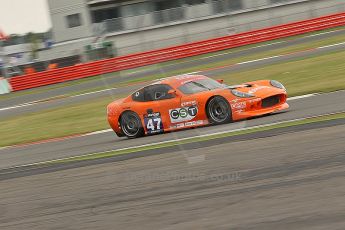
(158, 105)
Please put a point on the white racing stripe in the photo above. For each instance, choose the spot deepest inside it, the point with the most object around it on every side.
(171, 141)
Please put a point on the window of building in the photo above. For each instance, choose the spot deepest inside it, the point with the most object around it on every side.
(73, 20)
(137, 9)
(194, 2)
(104, 14)
(221, 6)
(165, 5)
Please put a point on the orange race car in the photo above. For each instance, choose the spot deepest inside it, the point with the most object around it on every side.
(189, 101)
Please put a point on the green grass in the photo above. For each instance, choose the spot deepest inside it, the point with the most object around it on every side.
(324, 73)
(332, 40)
(195, 139)
(79, 118)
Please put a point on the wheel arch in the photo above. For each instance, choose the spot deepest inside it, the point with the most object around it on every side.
(220, 96)
(213, 96)
(120, 118)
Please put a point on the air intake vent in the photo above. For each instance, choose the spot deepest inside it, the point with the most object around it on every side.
(270, 101)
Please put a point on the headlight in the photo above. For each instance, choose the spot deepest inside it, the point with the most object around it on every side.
(277, 84)
(241, 94)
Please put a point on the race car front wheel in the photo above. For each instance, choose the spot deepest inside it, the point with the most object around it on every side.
(218, 111)
(131, 125)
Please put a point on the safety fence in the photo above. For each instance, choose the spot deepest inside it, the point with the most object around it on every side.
(172, 53)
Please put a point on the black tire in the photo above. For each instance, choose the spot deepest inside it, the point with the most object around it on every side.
(218, 111)
(131, 125)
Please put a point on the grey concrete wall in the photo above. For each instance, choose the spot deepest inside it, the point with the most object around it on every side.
(65, 49)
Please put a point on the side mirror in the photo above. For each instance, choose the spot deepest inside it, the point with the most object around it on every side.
(221, 81)
(173, 93)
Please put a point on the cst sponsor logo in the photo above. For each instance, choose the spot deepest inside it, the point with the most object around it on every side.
(183, 114)
(239, 105)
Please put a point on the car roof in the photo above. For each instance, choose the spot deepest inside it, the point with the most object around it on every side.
(177, 81)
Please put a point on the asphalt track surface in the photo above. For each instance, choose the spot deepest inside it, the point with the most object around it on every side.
(288, 181)
(304, 107)
(105, 81)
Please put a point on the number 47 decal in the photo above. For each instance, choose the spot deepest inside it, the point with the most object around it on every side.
(154, 124)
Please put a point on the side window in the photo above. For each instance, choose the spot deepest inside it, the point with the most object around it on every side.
(157, 92)
(138, 96)
(73, 20)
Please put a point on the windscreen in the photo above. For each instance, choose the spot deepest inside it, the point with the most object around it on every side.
(201, 85)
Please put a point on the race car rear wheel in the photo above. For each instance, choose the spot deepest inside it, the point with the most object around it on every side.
(218, 111)
(131, 125)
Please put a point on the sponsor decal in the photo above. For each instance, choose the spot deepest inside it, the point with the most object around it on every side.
(257, 89)
(254, 100)
(239, 111)
(180, 125)
(187, 124)
(191, 123)
(153, 123)
(183, 114)
(239, 105)
(188, 103)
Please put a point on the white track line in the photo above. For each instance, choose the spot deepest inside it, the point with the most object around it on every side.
(17, 106)
(337, 44)
(170, 141)
(257, 60)
(222, 54)
(303, 96)
(329, 32)
(93, 92)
